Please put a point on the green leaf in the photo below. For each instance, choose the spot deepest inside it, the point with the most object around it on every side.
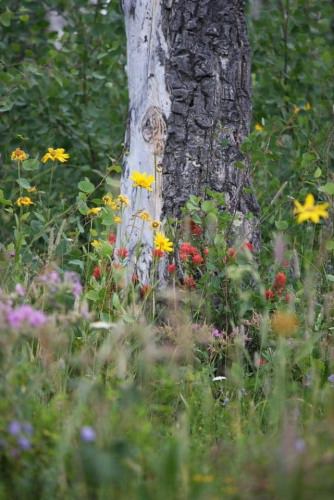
(86, 186)
(113, 182)
(3, 200)
(330, 277)
(24, 183)
(317, 173)
(307, 159)
(78, 263)
(330, 245)
(82, 207)
(107, 218)
(207, 206)
(5, 18)
(31, 164)
(327, 188)
(281, 225)
(115, 301)
(92, 295)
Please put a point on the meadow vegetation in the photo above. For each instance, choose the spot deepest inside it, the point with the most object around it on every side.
(218, 384)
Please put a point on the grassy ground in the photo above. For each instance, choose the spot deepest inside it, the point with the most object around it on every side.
(220, 385)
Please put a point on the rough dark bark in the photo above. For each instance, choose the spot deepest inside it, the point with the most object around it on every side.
(208, 77)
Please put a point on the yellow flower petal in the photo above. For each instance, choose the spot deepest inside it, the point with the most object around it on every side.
(310, 211)
(309, 201)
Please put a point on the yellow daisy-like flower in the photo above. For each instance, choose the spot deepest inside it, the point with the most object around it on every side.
(32, 189)
(18, 155)
(259, 127)
(142, 180)
(94, 211)
(117, 219)
(123, 200)
(310, 211)
(145, 216)
(96, 243)
(57, 154)
(24, 201)
(162, 243)
(155, 224)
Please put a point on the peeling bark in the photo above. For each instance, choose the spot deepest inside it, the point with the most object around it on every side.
(146, 131)
(190, 110)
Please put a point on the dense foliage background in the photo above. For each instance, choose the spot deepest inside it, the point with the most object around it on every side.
(219, 388)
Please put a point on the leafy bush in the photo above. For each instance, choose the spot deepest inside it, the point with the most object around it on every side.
(221, 383)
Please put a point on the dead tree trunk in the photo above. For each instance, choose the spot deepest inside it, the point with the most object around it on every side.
(190, 109)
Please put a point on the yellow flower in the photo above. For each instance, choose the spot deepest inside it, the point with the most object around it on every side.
(123, 200)
(284, 323)
(32, 189)
(307, 107)
(117, 219)
(24, 201)
(142, 180)
(295, 110)
(107, 199)
(57, 154)
(259, 127)
(18, 155)
(310, 211)
(114, 206)
(109, 202)
(155, 224)
(96, 244)
(145, 216)
(94, 211)
(162, 243)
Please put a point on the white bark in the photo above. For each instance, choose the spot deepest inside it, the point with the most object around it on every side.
(149, 109)
(256, 6)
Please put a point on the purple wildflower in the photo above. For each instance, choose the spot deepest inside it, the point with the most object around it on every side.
(72, 280)
(24, 443)
(216, 333)
(51, 279)
(25, 314)
(331, 378)
(20, 290)
(14, 428)
(87, 434)
(300, 445)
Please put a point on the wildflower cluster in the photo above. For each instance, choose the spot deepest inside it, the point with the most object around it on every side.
(17, 438)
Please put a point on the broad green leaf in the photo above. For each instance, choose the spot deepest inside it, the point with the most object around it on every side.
(86, 186)
(24, 183)
(92, 295)
(78, 263)
(327, 188)
(31, 164)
